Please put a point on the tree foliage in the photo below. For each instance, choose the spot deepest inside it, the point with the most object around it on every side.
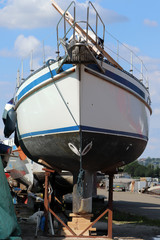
(137, 170)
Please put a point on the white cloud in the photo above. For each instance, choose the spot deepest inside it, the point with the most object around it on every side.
(108, 16)
(27, 14)
(134, 49)
(153, 71)
(39, 13)
(153, 64)
(154, 83)
(150, 23)
(22, 49)
(24, 45)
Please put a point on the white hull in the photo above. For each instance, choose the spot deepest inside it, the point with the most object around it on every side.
(93, 102)
(48, 106)
(107, 105)
(110, 107)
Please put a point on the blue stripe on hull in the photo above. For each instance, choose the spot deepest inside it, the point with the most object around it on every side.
(120, 80)
(108, 73)
(58, 130)
(114, 132)
(41, 79)
(84, 128)
(125, 82)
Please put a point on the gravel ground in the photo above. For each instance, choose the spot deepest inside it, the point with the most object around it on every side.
(120, 232)
(139, 204)
(135, 203)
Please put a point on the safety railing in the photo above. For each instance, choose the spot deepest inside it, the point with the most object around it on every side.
(126, 58)
(66, 16)
(124, 55)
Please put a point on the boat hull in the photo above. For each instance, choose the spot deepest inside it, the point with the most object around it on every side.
(108, 114)
(108, 151)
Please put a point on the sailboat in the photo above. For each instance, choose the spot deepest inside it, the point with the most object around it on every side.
(82, 110)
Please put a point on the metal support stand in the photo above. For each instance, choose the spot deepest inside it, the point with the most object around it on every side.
(46, 196)
(109, 210)
(110, 206)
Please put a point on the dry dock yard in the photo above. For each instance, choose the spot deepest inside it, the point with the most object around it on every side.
(101, 126)
(136, 216)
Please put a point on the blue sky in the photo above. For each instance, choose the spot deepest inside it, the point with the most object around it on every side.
(25, 24)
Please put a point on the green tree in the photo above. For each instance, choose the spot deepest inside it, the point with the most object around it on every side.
(137, 170)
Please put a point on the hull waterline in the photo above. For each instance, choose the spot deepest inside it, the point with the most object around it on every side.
(111, 118)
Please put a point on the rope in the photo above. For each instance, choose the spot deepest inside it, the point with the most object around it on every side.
(80, 181)
(48, 65)
(81, 170)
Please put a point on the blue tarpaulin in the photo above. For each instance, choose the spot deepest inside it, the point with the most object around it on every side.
(9, 228)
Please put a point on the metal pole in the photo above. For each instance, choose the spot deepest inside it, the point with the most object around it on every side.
(117, 51)
(147, 83)
(103, 35)
(110, 206)
(68, 228)
(46, 201)
(18, 78)
(57, 43)
(131, 70)
(31, 62)
(96, 27)
(87, 24)
(22, 71)
(43, 54)
(65, 26)
(74, 23)
(141, 72)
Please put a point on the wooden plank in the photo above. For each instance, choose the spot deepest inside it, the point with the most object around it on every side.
(79, 226)
(88, 215)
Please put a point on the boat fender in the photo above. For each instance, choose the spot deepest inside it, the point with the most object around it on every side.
(10, 123)
(16, 139)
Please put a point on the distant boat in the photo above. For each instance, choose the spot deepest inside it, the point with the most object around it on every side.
(29, 173)
(19, 167)
(154, 189)
(83, 109)
(5, 151)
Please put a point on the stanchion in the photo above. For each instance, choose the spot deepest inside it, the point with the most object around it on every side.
(110, 206)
